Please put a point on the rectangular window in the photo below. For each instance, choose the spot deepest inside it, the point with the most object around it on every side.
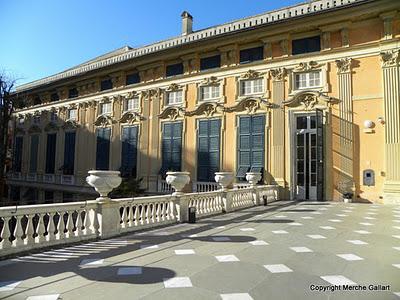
(18, 153)
(103, 148)
(306, 45)
(132, 104)
(106, 85)
(105, 108)
(208, 149)
(132, 78)
(34, 153)
(307, 80)
(209, 92)
(73, 93)
(51, 153)
(252, 54)
(250, 145)
(53, 116)
(36, 120)
(250, 87)
(175, 69)
(72, 114)
(171, 147)
(210, 62)
(129, 151)
(54, 97)
(174, 97)
(69, 153)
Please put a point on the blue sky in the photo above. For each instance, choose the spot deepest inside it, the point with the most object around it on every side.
(43, 37)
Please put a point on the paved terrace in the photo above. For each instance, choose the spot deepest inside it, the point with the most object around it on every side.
(265, 252)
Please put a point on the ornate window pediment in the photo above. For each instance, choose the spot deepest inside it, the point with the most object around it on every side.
(307, 100)
(34, 129)
(51, 126)
(104, 121)
(250, 104)
(251, 74)
(19, 131)
(208, 109)
(70, 124)
(131, 117)
(307, 66)
(172, 113)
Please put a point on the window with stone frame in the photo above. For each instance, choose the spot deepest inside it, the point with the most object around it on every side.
(105, 108)
(251, 86)
(132, 104)
(307, 80)
(174, 97)
(209, 92)
(72, 113)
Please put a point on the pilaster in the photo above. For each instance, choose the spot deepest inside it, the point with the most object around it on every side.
(391, 96)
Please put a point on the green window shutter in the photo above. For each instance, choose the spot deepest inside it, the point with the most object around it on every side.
(34, 153)
(208, 148)
(51, 153)
(257, 141)
(129, 150)
(17, 161)
(171, 147)
(69, 153)
(103, 148)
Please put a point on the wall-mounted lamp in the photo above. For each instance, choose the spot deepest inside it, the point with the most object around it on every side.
(381, 120)
(368, 124)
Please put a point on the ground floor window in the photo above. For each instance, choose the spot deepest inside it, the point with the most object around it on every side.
(208, 149)
(69, 153)
(171, 147)
(129, 141)
(51, 153)
(103, 148)
(250, 145)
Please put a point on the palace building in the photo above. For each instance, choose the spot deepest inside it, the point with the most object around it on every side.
(307, 95)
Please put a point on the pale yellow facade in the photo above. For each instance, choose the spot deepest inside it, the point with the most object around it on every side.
(357, 93)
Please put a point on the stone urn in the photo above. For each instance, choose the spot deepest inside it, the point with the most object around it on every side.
(253, 178)
(224, 179)
(178, 180)
(103, 182)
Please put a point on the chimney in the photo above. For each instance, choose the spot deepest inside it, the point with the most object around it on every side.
(187, 22)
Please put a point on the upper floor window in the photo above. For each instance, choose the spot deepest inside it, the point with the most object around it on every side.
(37, 101)
(131, 104)
(54, 97)
(252, 54)
(307, 80)
(251, 86)
(105, 108)
(106, 84)
(175, 69)
(132, 78)
(53, 116)
(306, 45)
(209, 92)
(73, 93)
(72, 114)
(174, 97)
(210, 62)
(36, 120)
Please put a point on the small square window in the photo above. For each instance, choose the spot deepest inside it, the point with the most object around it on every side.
(173, 70)
(250, 87)
(174, 97)
(36, 120)
(209, 92)
(53, 116)
(132, 78)
(72, 114)
(106, 85)
(105, 108)
(73, 93)
(307, 80)
(132, 104)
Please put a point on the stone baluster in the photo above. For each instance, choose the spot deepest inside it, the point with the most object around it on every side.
(30, 230)
(78, 231)
(163, 211)
(142, 213)
(158, 212)
(19, 232)
(94, 222)
(51, 228)
(40, 229)
(86, 223)
(70, 224)
(62, 227)
(152, 213)
(123, 218)
(5, 244)
(136, 214)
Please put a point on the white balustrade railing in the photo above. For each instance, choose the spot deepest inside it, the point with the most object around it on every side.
(164, 187)
(242, 198)
(208, 203)
(243, 185)
(202, 186)
(28, 227)
(143, 212)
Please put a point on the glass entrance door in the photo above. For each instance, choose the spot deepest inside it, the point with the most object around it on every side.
(308, 161)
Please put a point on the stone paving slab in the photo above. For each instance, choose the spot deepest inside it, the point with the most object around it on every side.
(241, 255)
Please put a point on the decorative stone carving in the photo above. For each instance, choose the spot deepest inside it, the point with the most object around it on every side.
(309, 99)
(278, 74)
(103, 121)
(173, 87)
(151, 93)
(19, 131)
(206, 108)
(284, 44)
(390, 58)
(51, 126)
(104, 182)
(224, 179)
(343, 65)
(177, 180)
(70, 124)
(34, 129)
(344, 33)
(250, 104)
(307, 66)
(326, 40)
(251, 74)
(210, 81)
(131, 117)
(172, 113)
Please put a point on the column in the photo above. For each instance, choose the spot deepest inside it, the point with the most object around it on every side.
(278, 127)
(391, 97)
(345, 125)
